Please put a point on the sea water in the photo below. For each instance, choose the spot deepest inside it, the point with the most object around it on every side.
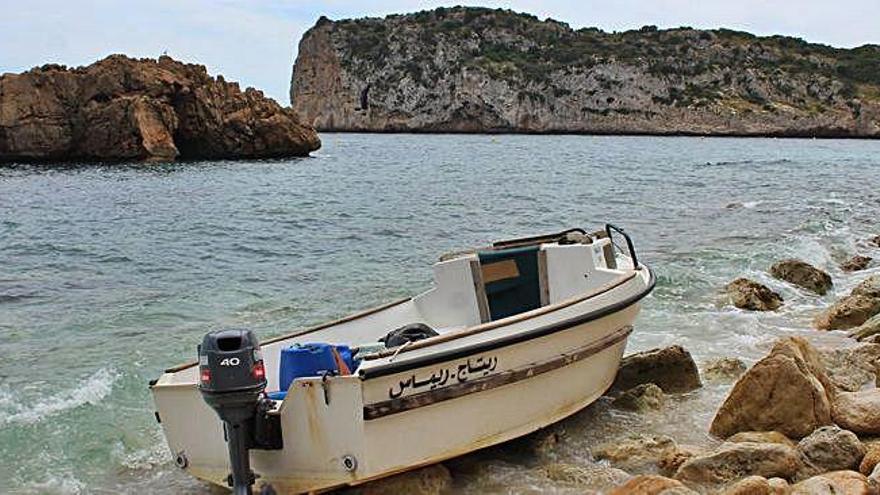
(111, 273)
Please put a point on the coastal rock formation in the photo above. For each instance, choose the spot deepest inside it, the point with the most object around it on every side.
(757, 485)
(724, 369)
(671, 368)
(848, 312)
(467, 69)
(830, 448)
(856, 263)
(866, 329)
(644, 397)
(850, 368)
(652, 485)
(733, 461)
(748, 294)
(837, 482)
(803, 275)
(871, 459)
(155, 110)
(858, 412)
(786, 391)
(870, 287)
(762, 437)
(635, 453)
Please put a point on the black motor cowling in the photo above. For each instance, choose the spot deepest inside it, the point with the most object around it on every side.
(232, 379)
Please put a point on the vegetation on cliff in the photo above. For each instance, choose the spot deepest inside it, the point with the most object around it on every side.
(560, 78)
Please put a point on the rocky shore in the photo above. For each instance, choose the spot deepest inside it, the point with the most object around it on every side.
(466, 69)
(804, 419)
(121, 108)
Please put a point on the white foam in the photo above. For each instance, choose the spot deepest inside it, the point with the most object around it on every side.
(61, 484)
(16, 410)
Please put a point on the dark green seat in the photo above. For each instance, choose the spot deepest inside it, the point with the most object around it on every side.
(514, 294)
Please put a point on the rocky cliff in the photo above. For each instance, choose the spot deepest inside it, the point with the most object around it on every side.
(481, 70)
(125, 109)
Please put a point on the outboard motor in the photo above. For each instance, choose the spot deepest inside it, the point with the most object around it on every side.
(232, 379)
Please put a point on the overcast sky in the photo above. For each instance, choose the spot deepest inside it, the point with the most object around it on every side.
(254, 41)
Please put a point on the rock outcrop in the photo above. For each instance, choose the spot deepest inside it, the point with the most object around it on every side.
(671, 368)
(652, 485)
(761, 437)
(859, 411)
(837, 482)
(636, 453)
(724, 369)
(830, 448)
(480, 70)
(866, 329)
(644, 397)
(786, 391)
(748, 294)
(803, 275)
(155, 110)
(733, 461)
(870, 287)
(848, 312)
(851, 368)
(856, 263)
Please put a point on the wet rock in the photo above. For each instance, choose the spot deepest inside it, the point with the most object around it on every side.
(848, 312)
(644, 397)
(851, 368)
(671, 368)
(875, 241)
(803, 275)
(859, 411)
(829, 448)
(871, 459)
(835, 483)
(786, 391)
(724, 369)
(733, 461)
(870, 287)
(598, 478)
(779, 486)
(751, 485)
(637, 452)
(866, 330)
(748, 294)
(431, 480)
(672, 460)
(874, 478)
(762, 437)
(652, 485)
(856, 263)
(121, 108)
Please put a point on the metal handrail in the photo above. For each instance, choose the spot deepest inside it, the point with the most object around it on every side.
(629, 243)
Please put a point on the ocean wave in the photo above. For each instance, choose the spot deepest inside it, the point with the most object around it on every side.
(16, 410)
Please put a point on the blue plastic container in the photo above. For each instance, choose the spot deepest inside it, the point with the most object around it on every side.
(311, 359)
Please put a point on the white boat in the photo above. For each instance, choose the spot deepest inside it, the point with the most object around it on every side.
(528, 331)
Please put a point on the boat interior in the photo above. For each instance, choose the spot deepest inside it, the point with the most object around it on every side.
(472, 288)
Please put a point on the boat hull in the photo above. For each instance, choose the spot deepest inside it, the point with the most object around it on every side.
(396, 420)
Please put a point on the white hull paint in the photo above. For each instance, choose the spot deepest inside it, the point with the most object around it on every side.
(467, 390)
